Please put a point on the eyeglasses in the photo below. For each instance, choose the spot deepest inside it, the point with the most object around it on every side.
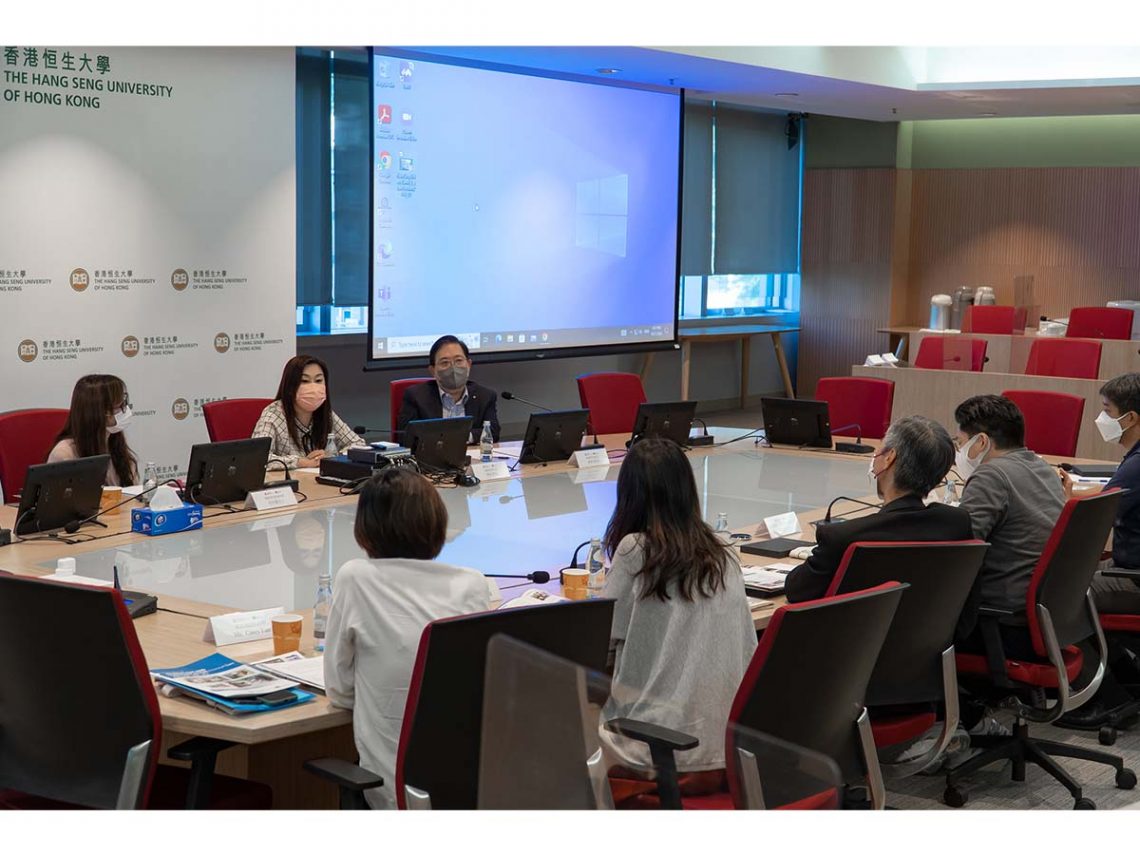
(126, 405)
(458, 362)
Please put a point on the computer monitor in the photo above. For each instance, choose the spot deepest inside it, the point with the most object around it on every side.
(439, 445)
(223, 472)
(671, 420)
(56, 494)
(553, 436)
(788, 421)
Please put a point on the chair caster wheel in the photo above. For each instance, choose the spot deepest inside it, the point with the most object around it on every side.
(1084, 804)
(1125, 779)
(953, 797)
(1107, 735)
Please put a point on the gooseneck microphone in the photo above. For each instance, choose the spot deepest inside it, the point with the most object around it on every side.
(511, 396)
(361, 430)
(855, 447)
(827, 517)
(538, 576)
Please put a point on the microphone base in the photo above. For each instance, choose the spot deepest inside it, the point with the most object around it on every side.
(853, 448)
(702, 440)
(292, 483)
(590, 446)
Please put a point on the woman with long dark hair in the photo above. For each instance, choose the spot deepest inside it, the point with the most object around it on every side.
(100, 410)
(682, 633)
(301, 418)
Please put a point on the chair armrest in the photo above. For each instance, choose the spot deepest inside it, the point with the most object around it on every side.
(1122, 573)
(201, 752)
(652, 734)
(994, 612)
(662, 743)
(351, 780)
(989, 622)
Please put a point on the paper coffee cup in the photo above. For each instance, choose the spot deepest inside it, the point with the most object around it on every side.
(111, 497)
(286, 633)
(575, 583)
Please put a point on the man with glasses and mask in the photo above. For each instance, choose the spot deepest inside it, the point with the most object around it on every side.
(451, 393)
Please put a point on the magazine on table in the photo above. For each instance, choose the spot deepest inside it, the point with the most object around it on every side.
(223, 677)
(307, 670)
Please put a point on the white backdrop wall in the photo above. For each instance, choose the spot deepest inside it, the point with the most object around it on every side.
(147, 230)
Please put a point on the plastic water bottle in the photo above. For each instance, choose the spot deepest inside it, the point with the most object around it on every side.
(721, 524)
(486, 442)
(330, 446)
(150, 480)
(950, 496)
(596, 567)
(321, 610)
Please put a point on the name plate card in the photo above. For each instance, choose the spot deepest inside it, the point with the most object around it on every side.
(266, 500)
(494, 471)
(241, 626)
(782, 525)
(590, 457)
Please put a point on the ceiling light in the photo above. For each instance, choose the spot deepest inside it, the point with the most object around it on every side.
(608, 70)
(787, 94)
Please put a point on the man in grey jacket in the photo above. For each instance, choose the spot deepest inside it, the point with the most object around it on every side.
(1014, 499)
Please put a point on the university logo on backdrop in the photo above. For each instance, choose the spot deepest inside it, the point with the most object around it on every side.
(130, 346)
(179, 279)
(79, 279)
(222, 342)
(28, 350)
(180, 409)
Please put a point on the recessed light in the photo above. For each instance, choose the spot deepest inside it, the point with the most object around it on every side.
(787, 94)
(609, 71)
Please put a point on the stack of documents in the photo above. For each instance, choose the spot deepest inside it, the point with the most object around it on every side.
(229, 685)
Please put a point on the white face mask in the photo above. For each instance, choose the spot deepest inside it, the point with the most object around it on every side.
(1109, 427)
(962, 462)
(871, 471)
(121, 421)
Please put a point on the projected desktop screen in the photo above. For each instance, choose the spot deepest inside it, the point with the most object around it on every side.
(527, 215)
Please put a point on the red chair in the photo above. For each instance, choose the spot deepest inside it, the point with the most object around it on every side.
(90, 736)
(1059, 357)
(26, 438)
(951, 353)
(997, 320)
(1059, 614)
(862, 401)
(1052, 420)
(612, 398)
(1100, 322)
(233, 418)
(1126, 625)
(396, 397)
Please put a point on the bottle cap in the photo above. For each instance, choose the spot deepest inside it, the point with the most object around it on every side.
(65, 567)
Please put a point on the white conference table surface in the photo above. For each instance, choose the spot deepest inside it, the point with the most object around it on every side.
(515, 526)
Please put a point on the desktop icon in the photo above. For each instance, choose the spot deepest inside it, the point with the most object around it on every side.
(406, 71)
(522, 338)
(382, 68)
(545, 337)
(498, 339)
(386, 249)
(384, 114)
(625, 332)
(406, 118)
(533, 337)
(407, 164)
(384, 203)
(385, 160)
(510, 338)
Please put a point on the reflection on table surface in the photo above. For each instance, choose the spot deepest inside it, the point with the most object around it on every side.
(514, 526)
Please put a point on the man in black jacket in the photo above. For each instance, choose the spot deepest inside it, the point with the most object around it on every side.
(914, 458)
(451, 393)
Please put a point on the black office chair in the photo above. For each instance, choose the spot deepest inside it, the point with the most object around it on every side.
(915, 673)
(437, 764)
(1059, 614)
(79, 719)
(805, 686)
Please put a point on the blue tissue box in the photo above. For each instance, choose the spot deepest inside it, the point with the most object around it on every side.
(186, 518)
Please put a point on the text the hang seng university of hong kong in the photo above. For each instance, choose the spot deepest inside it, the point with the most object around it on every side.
(62, 78)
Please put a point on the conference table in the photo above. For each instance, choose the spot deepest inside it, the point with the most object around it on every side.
(531, 521)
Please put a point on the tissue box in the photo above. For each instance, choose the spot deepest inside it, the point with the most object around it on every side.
(147, 521)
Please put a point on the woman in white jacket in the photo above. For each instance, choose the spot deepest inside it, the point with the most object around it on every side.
(380, 608)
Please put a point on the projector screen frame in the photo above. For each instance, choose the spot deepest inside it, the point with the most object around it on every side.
(403, 362)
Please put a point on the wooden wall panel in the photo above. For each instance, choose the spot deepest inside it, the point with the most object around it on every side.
(848, 225)
(1076, 231)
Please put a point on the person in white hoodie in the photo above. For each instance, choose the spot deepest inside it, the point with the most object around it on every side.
(380, 608)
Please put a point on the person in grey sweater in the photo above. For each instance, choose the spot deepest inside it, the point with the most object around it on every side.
(1013, 498)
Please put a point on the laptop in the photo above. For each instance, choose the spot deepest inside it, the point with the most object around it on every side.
(671, 420)
(439, 445)
(553, 436)
(221, 473)
(790, 421)
(56, 494)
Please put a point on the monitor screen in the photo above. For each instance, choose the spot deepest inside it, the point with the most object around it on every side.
(528, 215)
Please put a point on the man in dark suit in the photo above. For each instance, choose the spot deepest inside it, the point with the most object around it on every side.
(914, 458)
(451, 393)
